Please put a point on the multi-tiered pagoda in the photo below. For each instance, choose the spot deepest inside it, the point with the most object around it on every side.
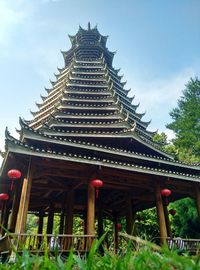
(87, 128)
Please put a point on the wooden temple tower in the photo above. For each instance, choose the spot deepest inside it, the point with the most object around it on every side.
(87, 128)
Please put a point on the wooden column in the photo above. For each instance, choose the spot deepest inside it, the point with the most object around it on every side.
(167, 221)
(40, 228)
(15, 208)
(40, 223)
(50, 218)
(69, 213)
(62, 220)
(91, 210)
(24, 201)
(100, 218)
(197, 193)
(3, 208)
(115, 234)
(6, 218)
(62, 214)
(160, 215)
(85, 221)
(129, 217)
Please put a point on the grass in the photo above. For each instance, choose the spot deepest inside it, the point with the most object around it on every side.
(145, 258)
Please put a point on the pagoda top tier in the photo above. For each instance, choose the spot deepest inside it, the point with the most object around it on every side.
(88, 45)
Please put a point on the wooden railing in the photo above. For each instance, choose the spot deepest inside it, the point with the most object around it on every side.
(190, 245)
(52, 243)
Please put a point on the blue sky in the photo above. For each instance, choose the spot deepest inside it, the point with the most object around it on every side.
(157, 44)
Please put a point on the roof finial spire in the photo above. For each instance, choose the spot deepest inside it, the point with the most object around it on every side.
(89, 26)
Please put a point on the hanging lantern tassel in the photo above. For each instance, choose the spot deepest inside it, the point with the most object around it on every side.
(166, 193)
(97, 193)
(97, 183)
(13, 175)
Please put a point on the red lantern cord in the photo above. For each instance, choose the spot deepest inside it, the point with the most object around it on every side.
(13, 175)
(97, 183)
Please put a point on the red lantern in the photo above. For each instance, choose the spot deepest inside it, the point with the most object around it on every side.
(4, 196)
(119, 226)
(172, 212)
(13, 175)
(97, 183)
(166, 193)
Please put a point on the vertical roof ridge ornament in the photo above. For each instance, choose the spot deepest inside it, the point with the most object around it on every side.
(127, 116)
(133, 127)
(89, 27)
(121, 108)
(117, 100)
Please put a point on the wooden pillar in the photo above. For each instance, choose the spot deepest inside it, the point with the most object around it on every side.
(24, 201)
(40, 223)
(3, 208)
(62, 214)
(90, 214)
(160, 215)
(91, 210)
(62, 220)
(100, 218)
(116, 229)
(69, 213)
(50, 218)
(197, 193)
(5, 219)
(167, 221)
(129, 217)
(15, 208)
(85, 221)
(40, 228)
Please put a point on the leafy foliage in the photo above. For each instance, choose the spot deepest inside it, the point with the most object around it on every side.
(148, 257)
(186, 222)
(146, 225)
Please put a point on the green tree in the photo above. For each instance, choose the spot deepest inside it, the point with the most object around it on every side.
(168, 147)
(186, 122)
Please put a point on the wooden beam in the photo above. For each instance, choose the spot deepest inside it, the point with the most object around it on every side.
(160, 215)
(24, 201)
